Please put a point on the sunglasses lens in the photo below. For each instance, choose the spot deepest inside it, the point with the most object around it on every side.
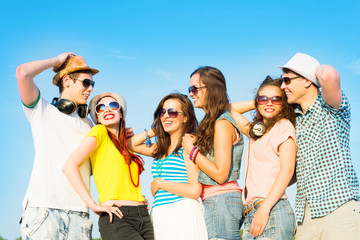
(87, 82)
(193, 90)
(172, 113)
(262, 100)
(162, 112)
(114, 106)
(277, 100)
(100, 108)
(286, 80)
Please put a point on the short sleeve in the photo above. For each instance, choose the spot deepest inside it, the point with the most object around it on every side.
(284, 130)
(99, 132)
(343, 111)
(32, 106)
(35, 111)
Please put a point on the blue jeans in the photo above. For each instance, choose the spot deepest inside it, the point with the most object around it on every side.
(281, 223)
(223, 214)
(49, 223)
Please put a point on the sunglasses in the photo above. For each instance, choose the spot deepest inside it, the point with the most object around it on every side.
(100, 108)
(172, 112)
(86, 82)
(194, 90)
(276, 100)
(287, 80)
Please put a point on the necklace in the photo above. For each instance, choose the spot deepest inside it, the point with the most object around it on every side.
(159, 164)
(132, 181)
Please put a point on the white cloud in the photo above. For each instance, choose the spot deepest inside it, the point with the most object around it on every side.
(354, 66)
(120, 56)
(163, 74)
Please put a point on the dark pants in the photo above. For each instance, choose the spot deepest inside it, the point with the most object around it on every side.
(135, 224)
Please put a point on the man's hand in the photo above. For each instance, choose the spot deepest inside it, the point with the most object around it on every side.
(61, 59)
(129, 132)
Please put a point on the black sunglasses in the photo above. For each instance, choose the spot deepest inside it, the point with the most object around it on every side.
(262, 100)
(100, 108)
(287, 80)
(194, 90)
(172, 112)
(86, 82)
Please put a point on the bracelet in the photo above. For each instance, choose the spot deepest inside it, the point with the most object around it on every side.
(194, 152)
(147, 139)
(195, 155)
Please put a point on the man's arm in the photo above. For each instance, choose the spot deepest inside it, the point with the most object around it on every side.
(330, 83)
(26, 72)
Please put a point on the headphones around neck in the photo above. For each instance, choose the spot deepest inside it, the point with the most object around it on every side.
(68, 107)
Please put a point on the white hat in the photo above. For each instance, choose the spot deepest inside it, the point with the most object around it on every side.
(119, 98)
(305, 66)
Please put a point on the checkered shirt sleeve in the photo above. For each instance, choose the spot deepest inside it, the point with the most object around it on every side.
(326, 178)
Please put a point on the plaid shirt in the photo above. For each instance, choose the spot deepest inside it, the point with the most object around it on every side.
(326, 178)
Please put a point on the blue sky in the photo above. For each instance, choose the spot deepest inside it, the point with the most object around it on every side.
(147, 49)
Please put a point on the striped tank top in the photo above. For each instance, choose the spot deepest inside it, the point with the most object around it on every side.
(172, 168)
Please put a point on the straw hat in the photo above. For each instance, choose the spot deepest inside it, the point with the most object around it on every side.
(305, 66)
(94, 101)
(72, 64)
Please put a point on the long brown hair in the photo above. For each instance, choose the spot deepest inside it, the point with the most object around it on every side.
(287, 110)
(121, 144)
(216, 102)
(162, 138)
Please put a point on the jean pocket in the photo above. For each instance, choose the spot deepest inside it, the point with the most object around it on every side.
(234, 207)
(86, 229)
(209, 207)
(292, 221)
(35, 223)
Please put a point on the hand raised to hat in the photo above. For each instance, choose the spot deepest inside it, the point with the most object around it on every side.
(62, 58)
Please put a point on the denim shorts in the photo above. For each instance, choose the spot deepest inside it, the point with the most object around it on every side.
(281, 223)
(223, 215)
(49, 223)
(135, 224)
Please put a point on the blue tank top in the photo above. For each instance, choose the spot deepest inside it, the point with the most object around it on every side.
(172, 168)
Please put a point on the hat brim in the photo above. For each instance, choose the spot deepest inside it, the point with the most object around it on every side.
(61, 74)
(303, 74)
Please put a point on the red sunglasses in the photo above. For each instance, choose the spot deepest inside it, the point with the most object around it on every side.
(262, 100)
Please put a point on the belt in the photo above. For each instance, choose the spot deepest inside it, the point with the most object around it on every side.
(252, 206)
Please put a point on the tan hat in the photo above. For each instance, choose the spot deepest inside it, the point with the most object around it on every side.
(305, 66)
(94, 101)
(72, 64)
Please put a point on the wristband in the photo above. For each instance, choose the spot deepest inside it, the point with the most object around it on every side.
(193, 154)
